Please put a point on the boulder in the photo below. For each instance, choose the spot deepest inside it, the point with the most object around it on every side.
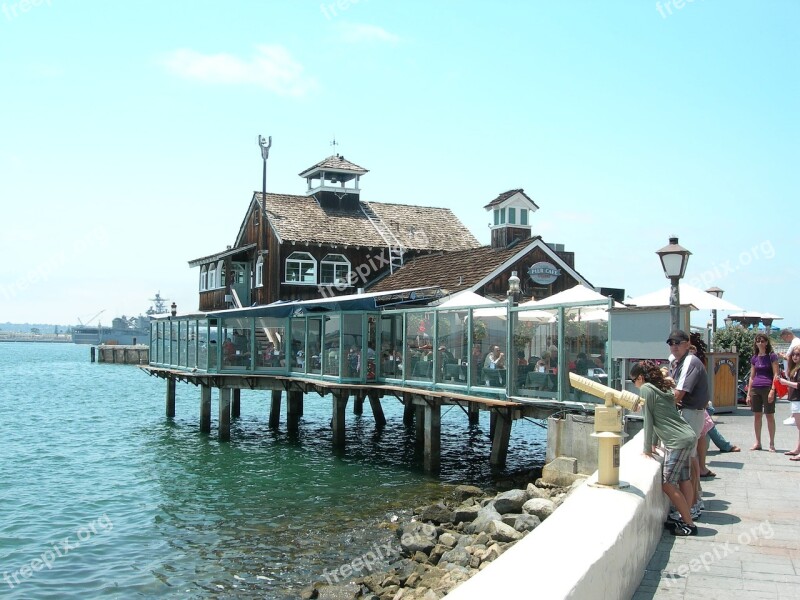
(486, 515)
(437, 513)
(416, 537)
(465, 513)
(510, 501)
(448, 540)
(456, 556)
(502, 532)
(535, 491)
(539, 507)
(462, 492)
(525, 523)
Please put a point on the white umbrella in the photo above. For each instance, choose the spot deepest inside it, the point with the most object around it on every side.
(689, 295)
(466, 298)
(574, 295)
(499, 311)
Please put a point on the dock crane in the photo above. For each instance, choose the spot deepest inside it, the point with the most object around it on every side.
(92, 319)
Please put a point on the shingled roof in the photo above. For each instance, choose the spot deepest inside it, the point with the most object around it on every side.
(339, 163)
(452, 271)
(302, 219)
(506, 195)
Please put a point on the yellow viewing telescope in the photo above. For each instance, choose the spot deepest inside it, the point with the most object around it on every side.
(611, 396)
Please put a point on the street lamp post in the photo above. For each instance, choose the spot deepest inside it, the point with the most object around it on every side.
(674, 259)
(264, 144)
(513, 289)
(714, 291)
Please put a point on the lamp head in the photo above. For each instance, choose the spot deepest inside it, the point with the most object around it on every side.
(674, 258)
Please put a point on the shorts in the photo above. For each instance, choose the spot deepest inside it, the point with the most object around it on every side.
(696, 420)
(759, 397)
(676, 465)
(795, 407)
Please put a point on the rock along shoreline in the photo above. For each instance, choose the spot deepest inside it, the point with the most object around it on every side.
(443, 544)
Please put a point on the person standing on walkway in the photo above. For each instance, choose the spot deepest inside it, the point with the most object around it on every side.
(662, 421)
(691, 394)
(793, 382)
(788, 337)
(761, 392)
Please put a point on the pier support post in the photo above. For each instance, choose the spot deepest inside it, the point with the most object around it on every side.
(500, 437)
(337, 423)
(433, 437)
(377, 409)
(294, 408)
(408, 410)
(474, 413)
(492, 423)
(419, 430)
(236, 409)
(92, 351)
(224, 414)
(170, 398)
(275, 409)
(358, 403)
(205, 409)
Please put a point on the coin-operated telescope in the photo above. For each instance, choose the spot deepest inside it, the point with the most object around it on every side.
(607, 425)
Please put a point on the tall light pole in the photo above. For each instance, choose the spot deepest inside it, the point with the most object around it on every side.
(714, 291)
(674, 259)
(264, 144)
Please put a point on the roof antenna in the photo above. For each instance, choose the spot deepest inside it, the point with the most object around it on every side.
(334, 143)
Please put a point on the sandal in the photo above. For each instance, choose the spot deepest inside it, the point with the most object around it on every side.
(796, 458)
(735, 449)
(756, 447)
(708, 474)
(791, 453)
(772, 448)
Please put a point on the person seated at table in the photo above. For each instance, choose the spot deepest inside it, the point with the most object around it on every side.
(495, 361)
(521, 362)
(228, 351)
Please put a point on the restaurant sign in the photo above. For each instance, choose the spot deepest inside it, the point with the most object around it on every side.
(544, 273)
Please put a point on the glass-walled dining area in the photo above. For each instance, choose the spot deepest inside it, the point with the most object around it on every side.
(496, 351)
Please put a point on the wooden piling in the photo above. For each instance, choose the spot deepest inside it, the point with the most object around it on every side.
(433, 436)
(294, 408)
(236, 405)
(224, 414)
(500, 437)
(337, 423)
(275, 409)
(170, 398)
(358, 404)
(377, 409)
(408, 409)
(205, 409)
(474, 413)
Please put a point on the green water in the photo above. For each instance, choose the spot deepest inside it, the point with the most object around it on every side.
(101, 496)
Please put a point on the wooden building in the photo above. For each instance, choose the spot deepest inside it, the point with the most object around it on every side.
(326, 242)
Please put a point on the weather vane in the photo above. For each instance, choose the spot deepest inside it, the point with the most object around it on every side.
(265, 144)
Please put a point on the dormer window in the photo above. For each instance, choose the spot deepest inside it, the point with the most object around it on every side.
(512, 215)
(334, 269)
(301, 268)
(523, 216)
(212, 277)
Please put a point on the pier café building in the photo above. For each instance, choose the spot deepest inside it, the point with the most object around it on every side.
(325, 292)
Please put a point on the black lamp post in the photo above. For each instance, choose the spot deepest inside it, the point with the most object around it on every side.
(265, 144)
(714, 291)
(674, 259)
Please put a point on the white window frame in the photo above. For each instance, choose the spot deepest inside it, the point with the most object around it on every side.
(260, 271)
(212, 277)
(221, 273)
(512, 215)
(203, 278)
(341, 270)
(301, 262)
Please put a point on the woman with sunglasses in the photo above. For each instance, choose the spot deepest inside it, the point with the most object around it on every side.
(662, 421)
(761, 393)
(792, 382)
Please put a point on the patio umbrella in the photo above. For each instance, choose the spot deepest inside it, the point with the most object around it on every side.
(689, 295)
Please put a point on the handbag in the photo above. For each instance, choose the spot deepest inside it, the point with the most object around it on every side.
(780, 389)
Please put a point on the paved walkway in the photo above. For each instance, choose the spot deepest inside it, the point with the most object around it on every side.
(748, 543)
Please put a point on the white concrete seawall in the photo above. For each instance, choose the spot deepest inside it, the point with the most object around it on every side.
(595, 545)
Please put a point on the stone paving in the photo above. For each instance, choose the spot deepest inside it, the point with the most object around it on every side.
(748, 542)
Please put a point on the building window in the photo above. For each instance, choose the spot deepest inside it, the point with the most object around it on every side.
(221, 274)
(203, 278)
(301, 268)
(334, 269)
(260, 271)
(512, 215)
(523, 216)
(212, 277)
(497, 216)
(502, 216)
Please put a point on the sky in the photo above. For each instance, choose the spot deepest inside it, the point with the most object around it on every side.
(129, 133)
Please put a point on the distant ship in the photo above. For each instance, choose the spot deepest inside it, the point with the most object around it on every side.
(124, 331)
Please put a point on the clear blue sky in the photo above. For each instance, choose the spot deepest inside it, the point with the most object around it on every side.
(129, 131)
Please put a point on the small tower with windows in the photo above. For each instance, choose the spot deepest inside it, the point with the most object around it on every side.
(334, 183)
(511, 222)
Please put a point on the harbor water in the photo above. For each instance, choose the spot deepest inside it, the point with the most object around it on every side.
(102, 496)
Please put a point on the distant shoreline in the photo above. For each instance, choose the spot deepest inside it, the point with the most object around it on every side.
(29, 337)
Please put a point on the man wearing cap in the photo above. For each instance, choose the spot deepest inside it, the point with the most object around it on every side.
(691, 394)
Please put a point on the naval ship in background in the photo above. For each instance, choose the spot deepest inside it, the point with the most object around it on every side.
(124, 331)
